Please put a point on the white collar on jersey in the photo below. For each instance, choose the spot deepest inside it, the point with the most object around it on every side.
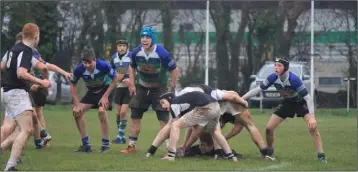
(154, 49)
(117, 54)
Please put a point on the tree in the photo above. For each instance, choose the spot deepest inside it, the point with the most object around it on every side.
(220, 14)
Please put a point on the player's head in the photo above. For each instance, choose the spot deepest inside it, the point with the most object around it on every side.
(31, 34)
(122, 46)
(18, 38)
(88, 59)
(281, 65)
(166, 99)
(206, 142)
(147, 37)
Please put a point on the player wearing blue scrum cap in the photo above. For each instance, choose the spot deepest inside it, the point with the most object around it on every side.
(151, 62)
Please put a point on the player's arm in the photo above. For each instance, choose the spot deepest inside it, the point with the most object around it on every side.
(169, 63)
(113, 75)
(187, 135)
(131, 69)
(234, 131)
(26, 61)
(41, 65)
(56, 69)
(263, 86)
(229, 96)
(302, 91)
(73, 81)
(3, 62)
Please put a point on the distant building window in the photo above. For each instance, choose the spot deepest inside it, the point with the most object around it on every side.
(330, 81)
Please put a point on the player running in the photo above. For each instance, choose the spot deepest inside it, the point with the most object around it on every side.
(100, 80)
(295, 101)
(17, 101)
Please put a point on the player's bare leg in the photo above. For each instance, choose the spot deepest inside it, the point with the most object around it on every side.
(7, 127)
(39, 143)
(317, 140)
(244, 118)
(102, 114)
(24, 121)
(174, 137)
(81, 126)
(10, 139)
(220, 139)
(162, 135)
(273, 123)
(43, 133)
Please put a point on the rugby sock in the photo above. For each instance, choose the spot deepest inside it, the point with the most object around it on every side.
(171, 153)
(118, 120)
(43, 133)
(86, 141)
(10, 163)
(105, 142)
(320, 154)
(122, 126)
(264, 151)
(38, 142)
(132, 140)
(152, 149)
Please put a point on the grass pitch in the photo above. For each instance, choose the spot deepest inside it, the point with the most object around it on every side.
(294, 146)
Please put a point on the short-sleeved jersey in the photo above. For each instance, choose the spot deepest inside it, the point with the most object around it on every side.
(291, 89)
(120, 64)
(213, 92)
(152, 68)
(20, 55)
(181, 105)
(95, 81)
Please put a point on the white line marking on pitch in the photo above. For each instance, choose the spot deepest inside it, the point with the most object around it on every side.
(281, 165)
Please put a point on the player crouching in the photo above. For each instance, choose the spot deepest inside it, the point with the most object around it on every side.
(188, 110)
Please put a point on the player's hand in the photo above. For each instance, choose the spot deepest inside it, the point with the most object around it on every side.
(132, 90)
(246, 104)
(34, 87)
(46, 83)
(180, 152)
(312, 124)
(104, 102)
(68, 76)
(120, 76)
(77, 111)
(125, 81)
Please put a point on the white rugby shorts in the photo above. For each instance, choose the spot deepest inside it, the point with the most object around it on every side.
(16, 101)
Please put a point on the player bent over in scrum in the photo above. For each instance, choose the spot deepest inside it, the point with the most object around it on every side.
(241, 117)
(295, 100)
(100, 79)
(187, 110)
(17, 101)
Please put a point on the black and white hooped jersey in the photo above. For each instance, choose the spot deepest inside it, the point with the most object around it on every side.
(182, 104)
